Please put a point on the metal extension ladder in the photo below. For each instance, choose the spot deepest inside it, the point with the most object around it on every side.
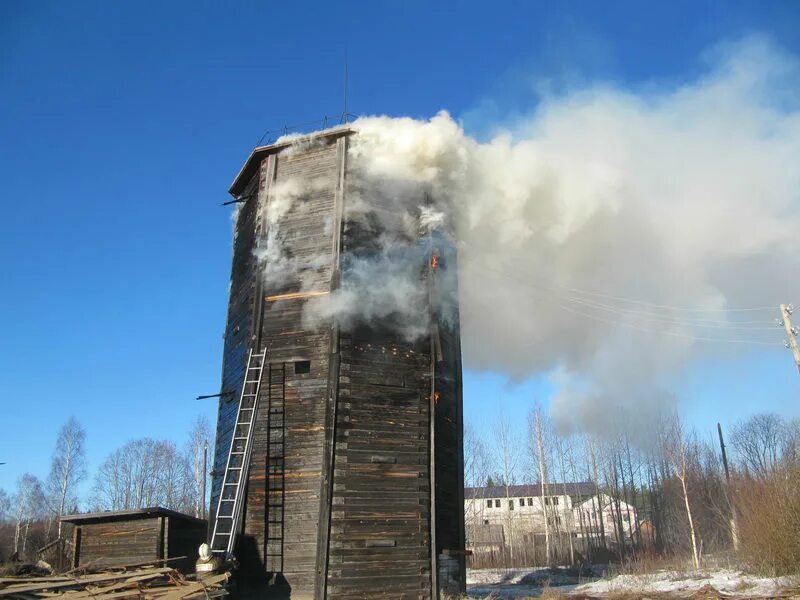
(227, 519)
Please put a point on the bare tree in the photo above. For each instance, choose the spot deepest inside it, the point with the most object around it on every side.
(676, 450)
(199, 456)
(5, 505)
(537, 445)
(29, 504)
(560, 450)
(759, 442)
(507, 461)
(144, 473)
(476, 473)
(67, 469)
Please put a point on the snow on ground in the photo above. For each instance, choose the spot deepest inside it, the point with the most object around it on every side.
(525, 583)
(572, 583)
(726, 581)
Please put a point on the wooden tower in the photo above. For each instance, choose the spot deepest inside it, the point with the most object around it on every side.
(355, 482)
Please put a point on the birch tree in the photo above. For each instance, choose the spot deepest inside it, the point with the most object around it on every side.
(28, 505)
(560, 451)
(537, 444)
(5, 505)
(677, 453)
(507, 460)
(144, 473)
(199, 455)
(476, 474)
(67, 468)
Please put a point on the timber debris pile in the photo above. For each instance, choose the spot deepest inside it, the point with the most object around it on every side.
(122, 583)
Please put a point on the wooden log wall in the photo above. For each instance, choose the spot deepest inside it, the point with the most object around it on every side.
(238, 331)
(339, 491)
(120, 543)
(380, 529)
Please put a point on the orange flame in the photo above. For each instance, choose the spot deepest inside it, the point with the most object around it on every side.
(434, 261)
(436, 397)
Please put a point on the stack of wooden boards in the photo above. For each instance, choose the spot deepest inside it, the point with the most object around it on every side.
(139, 583)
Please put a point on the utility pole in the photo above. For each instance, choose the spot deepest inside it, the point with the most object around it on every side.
(205, 462)
(724, 454)
(734, 529)
(786, 314)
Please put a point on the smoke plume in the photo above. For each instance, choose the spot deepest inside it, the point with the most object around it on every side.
(609, 237)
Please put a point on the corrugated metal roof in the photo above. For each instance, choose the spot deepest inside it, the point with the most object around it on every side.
(582, 488)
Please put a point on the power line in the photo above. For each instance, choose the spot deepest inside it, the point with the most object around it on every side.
(628, 324)
(667, 332)
(668, 307)
(594, 303)
(707, 323)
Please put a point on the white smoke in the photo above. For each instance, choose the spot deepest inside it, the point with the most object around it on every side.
(605, 237)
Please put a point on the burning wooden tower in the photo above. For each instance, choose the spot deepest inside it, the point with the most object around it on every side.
(339, 462)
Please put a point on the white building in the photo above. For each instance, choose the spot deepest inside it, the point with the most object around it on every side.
(520, 519)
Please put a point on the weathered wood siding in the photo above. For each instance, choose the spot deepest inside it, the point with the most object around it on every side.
(339, 490)
(282, 508)
(120, 543)
(238, 330)
(449, 458)
(183, 539)
(380, 539)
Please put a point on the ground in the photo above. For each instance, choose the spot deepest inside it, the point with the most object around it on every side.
(587, 583)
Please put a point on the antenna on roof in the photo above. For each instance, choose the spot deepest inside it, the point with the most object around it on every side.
(344, 111)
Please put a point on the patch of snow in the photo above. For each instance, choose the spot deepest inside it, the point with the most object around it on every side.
(723, 580)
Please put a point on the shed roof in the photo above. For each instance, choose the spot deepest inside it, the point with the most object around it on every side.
(253, 161)
(128, 515)
(583, 488)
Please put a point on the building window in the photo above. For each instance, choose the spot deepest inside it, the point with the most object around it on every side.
(488, 504)
(510, 505)
(497, 503)
(547, 501)
(626, 517)
(530, 501)
(486, 521)
(555, 500)
(522, 501)
(301, 367)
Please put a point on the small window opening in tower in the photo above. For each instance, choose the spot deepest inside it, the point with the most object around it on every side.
(301, 367)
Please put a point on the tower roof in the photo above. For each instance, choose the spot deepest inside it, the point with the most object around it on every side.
(256, 156)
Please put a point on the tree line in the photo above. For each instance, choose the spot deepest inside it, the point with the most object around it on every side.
(141, 473)
(667, 491)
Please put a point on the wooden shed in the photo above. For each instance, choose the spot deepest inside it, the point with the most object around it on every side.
(136, 536)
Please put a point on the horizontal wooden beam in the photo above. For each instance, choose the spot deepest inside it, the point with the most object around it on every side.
(296, 295)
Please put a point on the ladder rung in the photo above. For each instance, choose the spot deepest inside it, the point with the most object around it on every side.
(223, 517)
(232, 453)
(240, 438)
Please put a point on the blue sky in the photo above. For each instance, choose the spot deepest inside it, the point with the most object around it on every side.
(123, 124)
